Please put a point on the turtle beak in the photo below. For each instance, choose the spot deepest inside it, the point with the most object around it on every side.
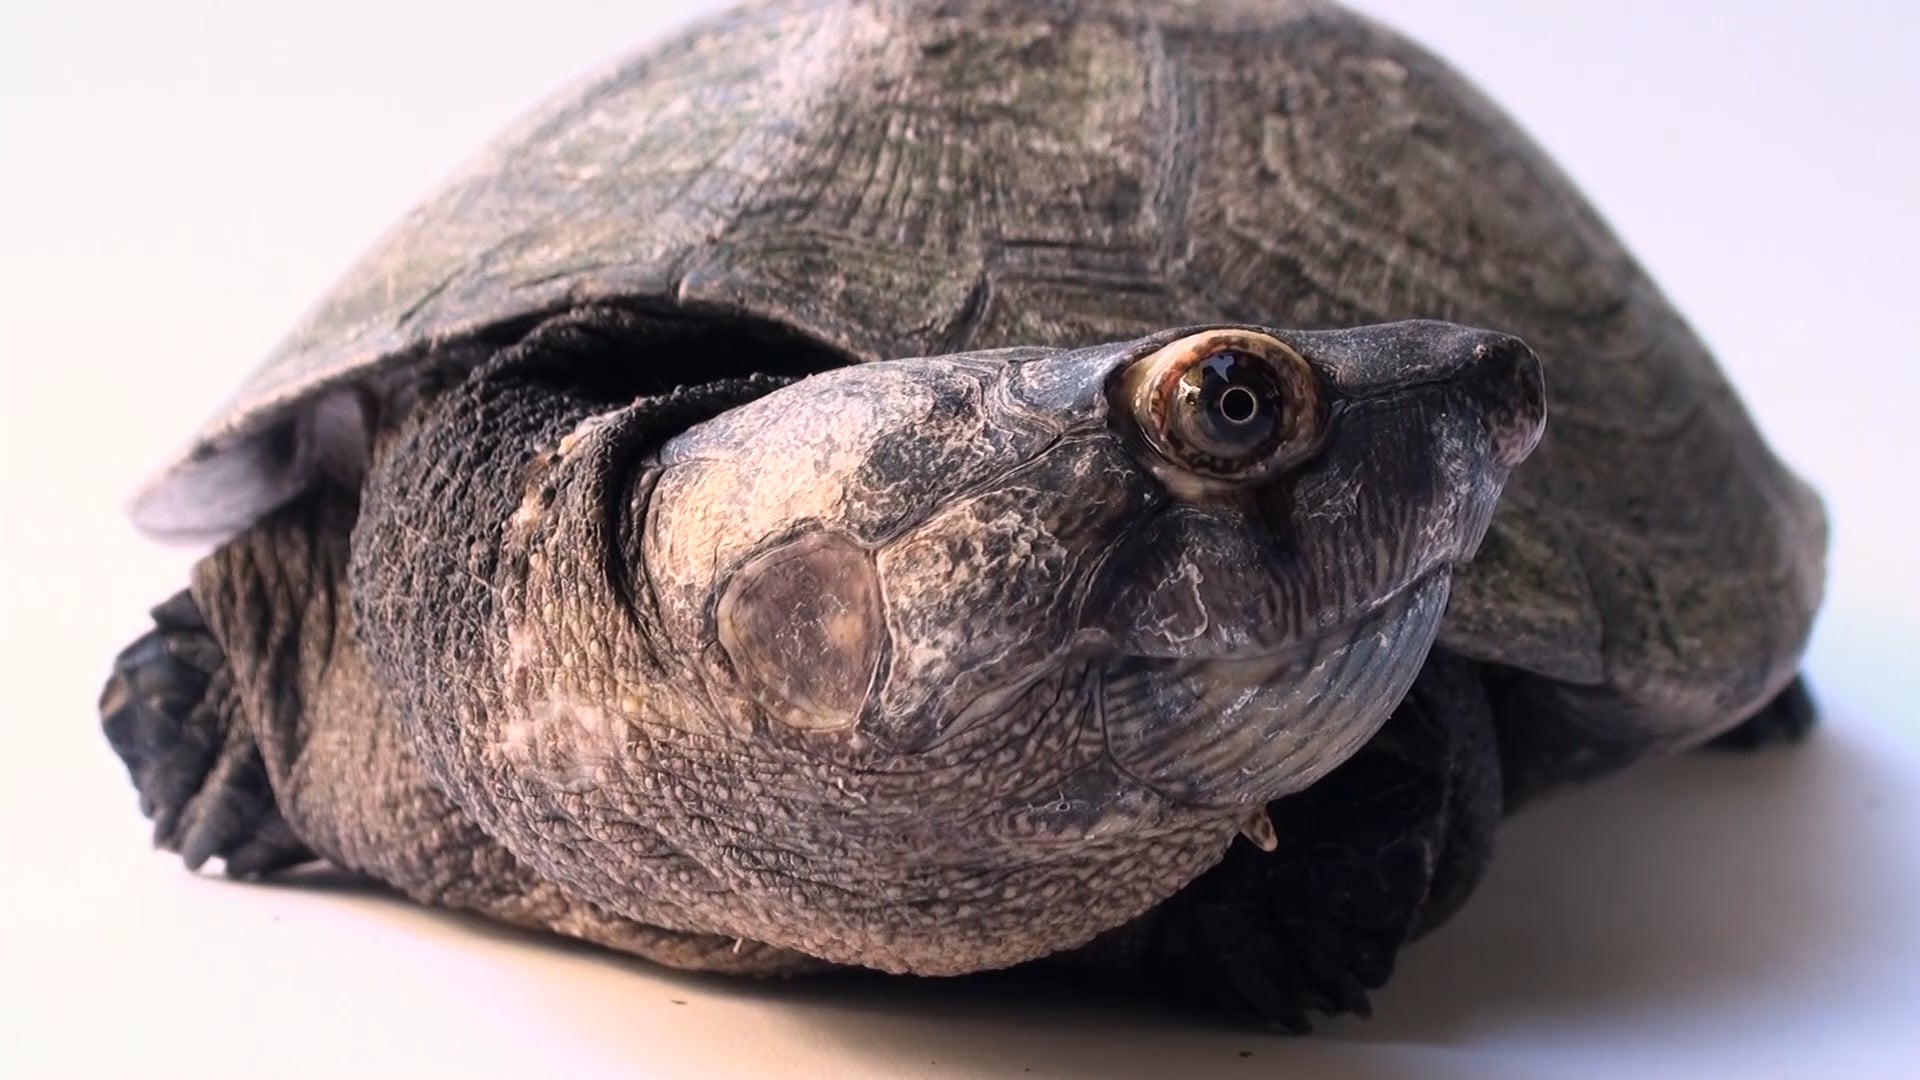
(1503, 375)
(1495, 373)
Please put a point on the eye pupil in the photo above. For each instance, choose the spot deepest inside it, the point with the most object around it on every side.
(1232, 406)
(1239, 405)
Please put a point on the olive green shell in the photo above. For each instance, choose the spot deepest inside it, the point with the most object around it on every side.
(918, 177)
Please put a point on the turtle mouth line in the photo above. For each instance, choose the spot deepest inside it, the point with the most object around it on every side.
(1227, 733)
(1093, 649)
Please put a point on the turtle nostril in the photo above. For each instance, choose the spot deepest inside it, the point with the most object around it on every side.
(1506, 380)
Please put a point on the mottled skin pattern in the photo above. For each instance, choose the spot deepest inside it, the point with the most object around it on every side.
(539, 418)
(298, 704)
(1079, 686)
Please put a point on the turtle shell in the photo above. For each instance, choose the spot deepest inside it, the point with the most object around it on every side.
(889, 179)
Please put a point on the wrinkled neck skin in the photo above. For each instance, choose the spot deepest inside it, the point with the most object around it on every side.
(912, 666)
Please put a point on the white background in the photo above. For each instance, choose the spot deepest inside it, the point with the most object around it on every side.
(178, 181)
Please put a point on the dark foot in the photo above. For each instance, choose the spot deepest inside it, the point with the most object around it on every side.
(1785, 720)
(169, 712)
(1380, 851)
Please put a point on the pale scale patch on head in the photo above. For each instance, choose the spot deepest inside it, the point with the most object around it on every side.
(516, 741)
(522, 648)
(539, 491)
(582, 431)
(528, 513)
(571, 741)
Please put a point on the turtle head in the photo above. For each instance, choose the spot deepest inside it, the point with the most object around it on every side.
(1314, 491)
(974, 656)
(1243, 534)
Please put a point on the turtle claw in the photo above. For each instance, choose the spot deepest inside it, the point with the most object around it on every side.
(234, 813)
(1258, 831)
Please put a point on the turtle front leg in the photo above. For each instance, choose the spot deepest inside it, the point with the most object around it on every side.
(255, 734)
(169, 711)
(1308, 912)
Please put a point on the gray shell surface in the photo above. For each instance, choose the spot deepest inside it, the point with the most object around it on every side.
(913, 177)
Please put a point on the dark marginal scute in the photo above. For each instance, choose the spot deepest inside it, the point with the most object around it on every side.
(1790, 717)
(1545, 754)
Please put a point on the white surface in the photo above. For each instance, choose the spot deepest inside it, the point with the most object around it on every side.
(178, 181)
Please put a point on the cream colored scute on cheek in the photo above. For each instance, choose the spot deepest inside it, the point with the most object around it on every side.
(805, 625)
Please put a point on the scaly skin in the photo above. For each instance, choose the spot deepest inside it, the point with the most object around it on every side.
(544, 590)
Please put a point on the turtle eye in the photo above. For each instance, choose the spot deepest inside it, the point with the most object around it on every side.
(1226, 407)
(1228, 404)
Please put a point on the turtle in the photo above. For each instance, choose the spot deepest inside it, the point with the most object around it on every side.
(941, 487)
